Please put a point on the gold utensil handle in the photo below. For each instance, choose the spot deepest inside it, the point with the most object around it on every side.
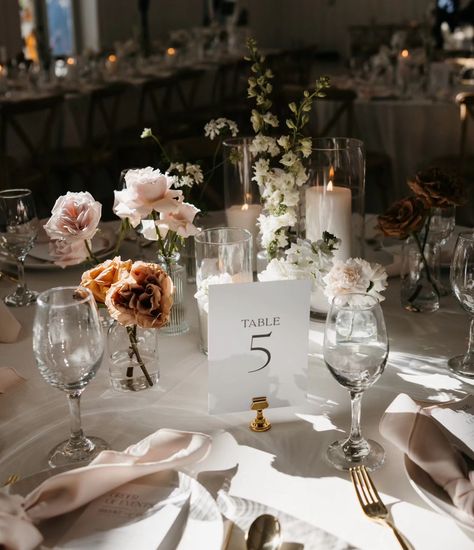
(401, 539)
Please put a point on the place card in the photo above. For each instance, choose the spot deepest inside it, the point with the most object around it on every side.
(135, 515)
(258, 344)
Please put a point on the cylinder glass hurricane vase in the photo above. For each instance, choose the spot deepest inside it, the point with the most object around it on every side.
(177, 322)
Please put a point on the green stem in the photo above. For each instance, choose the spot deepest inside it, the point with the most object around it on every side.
(132, 335)
(92, 258)
(425, 263)
(124, 227)
(162, 149)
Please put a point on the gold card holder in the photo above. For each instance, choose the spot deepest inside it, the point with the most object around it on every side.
(260, 423)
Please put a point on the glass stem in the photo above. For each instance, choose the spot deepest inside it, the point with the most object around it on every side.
(20, 267)
(355, 436)
(74, 401)
(470, 346)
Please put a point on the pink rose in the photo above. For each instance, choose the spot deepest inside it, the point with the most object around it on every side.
(75, 216)
(180, 220)
(146, 190)
(66, 253)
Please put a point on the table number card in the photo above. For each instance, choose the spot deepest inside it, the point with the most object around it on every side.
(258, 344)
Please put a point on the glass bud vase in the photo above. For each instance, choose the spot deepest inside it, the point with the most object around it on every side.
(419, 292)
(177, 322)
(132, 370)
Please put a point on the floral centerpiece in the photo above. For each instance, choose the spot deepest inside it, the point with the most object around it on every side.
(423, 221)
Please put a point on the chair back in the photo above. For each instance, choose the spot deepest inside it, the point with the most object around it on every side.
(16, 124)
(465, 101)
(103, 113)
(344, 111)
(155, 97)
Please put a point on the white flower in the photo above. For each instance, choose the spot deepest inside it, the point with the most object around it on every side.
(269, 225)
(288, 159)
(281, 269)
(270, 119)
(185, 175)
(195, 172)
(146, 190)
(264, 144)
(217, 126)
(305, 146)
(256, 120)
(284, 142)
(355, 276)
(202, 295)
(146, 133)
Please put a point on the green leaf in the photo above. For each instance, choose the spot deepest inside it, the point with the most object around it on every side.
(292, 107)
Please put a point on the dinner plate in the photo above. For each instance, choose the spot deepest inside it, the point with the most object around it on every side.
(434, 495)
(184, 511)
(39, 259)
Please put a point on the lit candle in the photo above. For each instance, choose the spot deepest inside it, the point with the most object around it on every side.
(328, 208)
(245, 216)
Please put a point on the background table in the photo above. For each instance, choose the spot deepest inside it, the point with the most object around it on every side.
(283, 468)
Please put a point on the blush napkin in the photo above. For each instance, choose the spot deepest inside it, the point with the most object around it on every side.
(9, 378)
(415, 432)
(9, 326)
(67, 491)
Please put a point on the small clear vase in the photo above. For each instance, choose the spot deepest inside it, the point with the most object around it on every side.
(177, 322)
(419, 292)
(133, 353)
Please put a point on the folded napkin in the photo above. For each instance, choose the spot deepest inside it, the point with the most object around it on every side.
(67, 491)
(415, 432)
(9, 378)
(9, 326)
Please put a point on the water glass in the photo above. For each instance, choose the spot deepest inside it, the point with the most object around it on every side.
(68, 345)
(462, 283)
(223, 256)
(355, 352)
(18, 231)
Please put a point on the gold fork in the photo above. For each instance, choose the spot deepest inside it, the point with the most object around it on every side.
(11, 479)
(371, 502)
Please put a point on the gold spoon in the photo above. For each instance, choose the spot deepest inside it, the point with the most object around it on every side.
(264, 533)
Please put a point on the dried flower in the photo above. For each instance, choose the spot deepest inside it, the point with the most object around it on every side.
(403, 218)
(438, 189)
(144, 298)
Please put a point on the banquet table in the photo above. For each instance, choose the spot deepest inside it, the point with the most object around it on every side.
(284, 468)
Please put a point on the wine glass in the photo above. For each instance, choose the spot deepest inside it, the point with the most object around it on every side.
(68, 346)
(355, 352)
(462, 282)
(18, 230)
(441, 225)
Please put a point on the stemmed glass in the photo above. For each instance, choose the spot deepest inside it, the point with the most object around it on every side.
(68, 345)
(18, 230)
(462, 282)
(442, 222)
(355, 352)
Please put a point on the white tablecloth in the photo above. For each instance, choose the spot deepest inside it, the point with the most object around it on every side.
(283, 468)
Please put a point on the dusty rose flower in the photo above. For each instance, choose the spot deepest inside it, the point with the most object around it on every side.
(74, 216)
(144, 298)
(438, 189)
(101, 277)
(404, 217)
(180, 220)
(146, 190)
(65, 253)
(355, 275)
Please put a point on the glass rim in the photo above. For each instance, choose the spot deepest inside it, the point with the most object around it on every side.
(360, 307)
(246, 236)
(233, 141)
(466, 235)
(15, 193)
(353, 141)
(41, 298)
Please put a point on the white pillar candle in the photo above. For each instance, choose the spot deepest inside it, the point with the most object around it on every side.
(245, 216)
(330, 209)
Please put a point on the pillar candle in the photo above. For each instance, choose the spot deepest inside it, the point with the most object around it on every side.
(245, 216)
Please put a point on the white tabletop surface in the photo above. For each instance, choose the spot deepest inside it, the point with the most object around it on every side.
(283, 468)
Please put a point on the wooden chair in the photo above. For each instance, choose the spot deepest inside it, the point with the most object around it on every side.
(28, 126)
(462, 164)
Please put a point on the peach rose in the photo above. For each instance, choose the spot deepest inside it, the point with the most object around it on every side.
(75, 216)
(180, 220)
(403, 218)
(144, 298)
(146, 190)
(101, 277)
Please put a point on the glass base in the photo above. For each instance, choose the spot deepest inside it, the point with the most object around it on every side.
(342, 458)
(135, 383)
(20, 299)
(175, 329)
(76, 453)
(461, 366)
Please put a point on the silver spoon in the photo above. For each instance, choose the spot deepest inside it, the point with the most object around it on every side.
(264, 533)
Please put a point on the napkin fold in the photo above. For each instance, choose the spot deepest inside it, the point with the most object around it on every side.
(9, 378)
(67, 491)
(9, 326)
(411, 428)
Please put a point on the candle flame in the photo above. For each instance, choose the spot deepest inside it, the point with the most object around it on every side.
(245, 207)
(171, 51)
(331, 177)
(405, 53)
(330, 185)
(112, 58)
